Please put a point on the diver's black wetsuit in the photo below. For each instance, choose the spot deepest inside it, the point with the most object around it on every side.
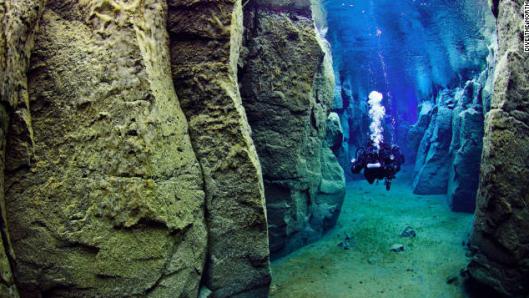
(378, 164)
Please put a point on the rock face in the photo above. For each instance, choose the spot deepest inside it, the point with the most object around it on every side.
(205, 44)
(334, 134)
(431, 169)
(466, 148)
(449, 153)
(18, 26)
(127, 161)
(501, 230)
(418, 130)
(104, 194)
(354, 114)
(287, 94)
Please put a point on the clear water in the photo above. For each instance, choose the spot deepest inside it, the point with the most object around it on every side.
(374, 219)
(407, 48)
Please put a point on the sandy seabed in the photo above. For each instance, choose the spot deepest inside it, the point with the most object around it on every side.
(374, 220)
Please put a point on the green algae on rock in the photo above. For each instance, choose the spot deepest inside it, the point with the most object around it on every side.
(17, 30)
(111, 201)
(205, 45)
(501, 228)
(287, 91)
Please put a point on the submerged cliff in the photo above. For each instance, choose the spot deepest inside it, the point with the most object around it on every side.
(129, 164)
(449, 136)
(287, 89)
(205, 45)
(107, 196)
(501, 229)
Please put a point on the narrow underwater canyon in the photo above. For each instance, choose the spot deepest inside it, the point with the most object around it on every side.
(156, 148)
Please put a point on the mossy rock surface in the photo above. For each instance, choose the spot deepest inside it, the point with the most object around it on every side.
(104, 194)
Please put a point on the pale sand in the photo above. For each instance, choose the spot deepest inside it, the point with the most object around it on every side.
(375, 218)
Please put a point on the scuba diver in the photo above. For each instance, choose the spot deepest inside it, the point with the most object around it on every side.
(378, 163)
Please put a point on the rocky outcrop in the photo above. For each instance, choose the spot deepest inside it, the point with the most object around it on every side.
(431, 169)
(287, 95)
(334, 133)
(205, 44)
(466, 148)
(451, 133)
(106, 197)
(501, 230)
(418, 130)
(127, 160)
(354, 115)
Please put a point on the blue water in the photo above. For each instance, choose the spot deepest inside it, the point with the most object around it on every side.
(407, 49)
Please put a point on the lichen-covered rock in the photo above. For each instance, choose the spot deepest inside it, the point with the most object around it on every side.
(205, 44)
(106, 199)
(501, 230)
(287, 95)
(7, 283)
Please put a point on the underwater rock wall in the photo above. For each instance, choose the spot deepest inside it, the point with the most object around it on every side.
(466, 147)
(106, 198)
(128, 161)
(501, 230)
(431, 168)
(451, 130)
(106, 192)
(287, 90)
(205, 45)
(354, 114)
(18, 26)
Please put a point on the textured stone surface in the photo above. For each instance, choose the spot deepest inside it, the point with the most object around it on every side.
(106, 198)
(19, 23)
(417, 131)
(334, 134)
(7, 287)
(287, 93)
(355, 123)
(466, 148)
(451, 133)
(432, 166)
(205, 43)
(501, 230)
